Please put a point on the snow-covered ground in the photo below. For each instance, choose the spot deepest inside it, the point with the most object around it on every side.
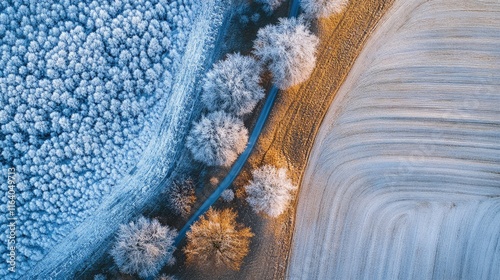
(403, 181)
(152, 172)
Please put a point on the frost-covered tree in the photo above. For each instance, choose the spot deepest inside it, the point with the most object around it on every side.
(81, 90)
(270, 190)
(181, 197)
(217, 239)
(233, 85)
(270, 5)
(217, 139)
(289, 49)
(322, 8)
(143, 247)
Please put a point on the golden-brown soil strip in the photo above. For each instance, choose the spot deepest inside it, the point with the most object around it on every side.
(289, 134)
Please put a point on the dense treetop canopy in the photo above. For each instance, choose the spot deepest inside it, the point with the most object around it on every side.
(78, 80)
(289, 50)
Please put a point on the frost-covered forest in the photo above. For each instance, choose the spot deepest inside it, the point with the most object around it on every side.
(80, 86)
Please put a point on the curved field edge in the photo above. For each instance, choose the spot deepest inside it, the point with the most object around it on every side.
(87, 242)
(289, 133)
(408, 156)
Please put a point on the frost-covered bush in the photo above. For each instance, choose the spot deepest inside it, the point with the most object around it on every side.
(233, 85)
(255, 17)
(79, 84)
(322, 8)
(289, 49)
(227, 195)
(181, 197)
(143, 247)
(217, 139)
(217, 239)
(270, 191)
(270, 5)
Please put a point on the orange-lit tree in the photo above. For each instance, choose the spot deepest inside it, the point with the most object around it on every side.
(217, 239)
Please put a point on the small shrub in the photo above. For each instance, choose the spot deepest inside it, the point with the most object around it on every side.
(227, 195)
(217, 139)
(255, 17)
(214, 181)
(217, 239)
(322, 8)
(270, 5)
(143, 247)
(181, 197)
(233, 85)
(270, 191)
(289, 49)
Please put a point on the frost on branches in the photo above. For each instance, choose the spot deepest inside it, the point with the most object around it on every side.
(217, 239)
(289, 49)
(227, 195)
(217, 139)
(166, 277)
(270, 190)
(322, 8)
(81, 84)
(181, 197)
(233, 85)
(270, 5)
(143, 247)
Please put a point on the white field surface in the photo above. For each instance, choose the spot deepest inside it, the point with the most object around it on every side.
(403, 181)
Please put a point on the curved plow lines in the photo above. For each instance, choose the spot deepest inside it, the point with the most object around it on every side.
(404, 178)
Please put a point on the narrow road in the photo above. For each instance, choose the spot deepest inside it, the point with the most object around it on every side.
(242, 159)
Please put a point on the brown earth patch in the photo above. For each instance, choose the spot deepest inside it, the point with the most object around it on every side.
(288, 137)
(289, 134)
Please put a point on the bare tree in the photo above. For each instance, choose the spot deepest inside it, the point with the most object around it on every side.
(289, 49)
(217, 239)
(181, 197)
(270, 191)
(143, 247)
(217, 139)
(233, 85)
(322, 8)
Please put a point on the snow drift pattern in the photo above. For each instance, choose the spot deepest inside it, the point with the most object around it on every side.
(79, 81)
(404, 179)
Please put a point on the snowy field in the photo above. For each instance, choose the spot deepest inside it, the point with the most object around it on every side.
(404, 179)
(82, 190)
